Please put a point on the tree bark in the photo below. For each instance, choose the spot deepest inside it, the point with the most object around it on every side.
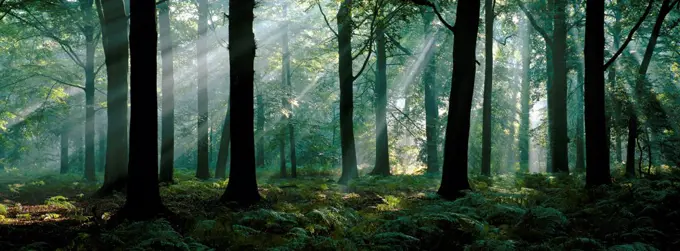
(113, 22)
(525, 123)
(382, 158)
(349, 156)
(597, 141)
(63, 146)
(168, 93)
(488, 82)
(143, 197)
(242, 187)
(202, 170)
(454, 171)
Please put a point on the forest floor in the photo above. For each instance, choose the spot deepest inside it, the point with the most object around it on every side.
(401, 212)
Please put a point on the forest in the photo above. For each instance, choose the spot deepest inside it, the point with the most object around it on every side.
(471, 125)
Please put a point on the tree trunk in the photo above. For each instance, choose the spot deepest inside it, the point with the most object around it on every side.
(289, 89)
(488, 81)
(223, 154)
(525, 123)
(455, 168)
(580, 151)
(168, 94)
(558, 91)
(616, 103)
(260, 129)
(430, 93)
(630, 148)
(88, 31)
(143, 197)
(63, 146)
(597, 141)
(349, 156)
(242, 187)
(113, 23)
(102, 150)
(382, 158)
(202, 170)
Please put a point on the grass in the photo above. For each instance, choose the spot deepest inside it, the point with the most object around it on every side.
(402, 212)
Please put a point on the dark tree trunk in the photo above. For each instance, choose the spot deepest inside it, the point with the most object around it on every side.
(349, 156)
(143, 197)
(430, 93)
(102, 150)
(630, 148)
(558, 91)
(168, 94)
(382, 158)
(242, 187)
(86, 6)
(597, 141)
(223, 154)
(580, 151)
(260, 129)
(202, 170)
(616, 103)
(488, 81)
(63, 146)
(455, 168)
(113, 22)
(524, 147)
(289, 89)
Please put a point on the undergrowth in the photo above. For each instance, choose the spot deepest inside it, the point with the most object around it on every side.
(401, 212)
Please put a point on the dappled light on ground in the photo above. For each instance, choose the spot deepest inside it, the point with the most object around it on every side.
(507, 212)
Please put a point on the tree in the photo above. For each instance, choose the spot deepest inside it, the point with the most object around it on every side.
(382, 158)
(223, 154)
(597, 141)
(430, 93)
(202, 170)
(143, 196)
(242, 187)
(524, 139)
(113, 23)
(168, 92)
(86, 6)
(287, 85)
(488, 82)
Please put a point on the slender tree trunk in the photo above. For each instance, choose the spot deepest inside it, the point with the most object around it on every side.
(630, 148)
(260, 129)
(242, 187)
(102, 150)
(113, 22)
(597, 141)
(558, 91)
(488, 82)
(525, 123)
(382, 158)
(616, 103)
(143, 197)
(430, 95)
(168, 93)
(64, 149)
(223, 154)
(289, 89)
(580, 151)
(349, 156)
(86, 6)
(202, 170)
(455, 168)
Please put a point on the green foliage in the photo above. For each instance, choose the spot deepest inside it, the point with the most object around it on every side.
(60, 202)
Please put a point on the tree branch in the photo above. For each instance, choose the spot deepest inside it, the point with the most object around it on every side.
(630, 35)
(326, 19)
(439, 15)
(533, 22)
(398, 45)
